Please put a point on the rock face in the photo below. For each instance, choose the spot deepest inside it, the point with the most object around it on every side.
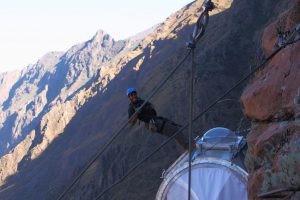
(7, 80)
(83, 103)
(271, 101)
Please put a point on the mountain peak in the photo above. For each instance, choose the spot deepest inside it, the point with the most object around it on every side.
(100, 32)
(101, 36)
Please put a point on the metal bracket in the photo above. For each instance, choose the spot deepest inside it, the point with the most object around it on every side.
(201, 24)
(285, 38)
(163, 174)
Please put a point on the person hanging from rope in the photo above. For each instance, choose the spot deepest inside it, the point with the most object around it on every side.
(153, 122)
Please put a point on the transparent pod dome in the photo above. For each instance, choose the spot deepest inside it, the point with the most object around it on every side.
(218, 172)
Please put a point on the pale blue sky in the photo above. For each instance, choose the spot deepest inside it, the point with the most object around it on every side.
(31, 28)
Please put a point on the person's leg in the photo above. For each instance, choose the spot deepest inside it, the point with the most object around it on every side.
(169, 128)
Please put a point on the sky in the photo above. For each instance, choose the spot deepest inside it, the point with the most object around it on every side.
(31, 28)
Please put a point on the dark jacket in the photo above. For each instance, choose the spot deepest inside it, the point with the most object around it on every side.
(145, 114)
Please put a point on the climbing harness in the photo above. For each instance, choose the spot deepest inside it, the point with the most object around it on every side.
(153, 126)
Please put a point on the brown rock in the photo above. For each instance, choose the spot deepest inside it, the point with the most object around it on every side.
(255, 183)
(272, 135)
(286, 21)
(269, 38)
(274, 92)
(272, 101)
(274, 160)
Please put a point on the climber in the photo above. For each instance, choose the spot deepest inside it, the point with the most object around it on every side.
(153, 122)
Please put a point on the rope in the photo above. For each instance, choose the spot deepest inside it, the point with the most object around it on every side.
(123, 126)
(196, 118)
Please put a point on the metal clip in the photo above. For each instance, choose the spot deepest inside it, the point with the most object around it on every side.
(201, 24)
(209, 5)
(288, 37)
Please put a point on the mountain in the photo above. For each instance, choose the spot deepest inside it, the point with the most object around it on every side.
(39, 101)
(58, 117)
(52, 81)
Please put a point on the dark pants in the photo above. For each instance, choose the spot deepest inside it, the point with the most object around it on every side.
(168, 128)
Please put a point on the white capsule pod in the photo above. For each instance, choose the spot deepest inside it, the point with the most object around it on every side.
(218, 172)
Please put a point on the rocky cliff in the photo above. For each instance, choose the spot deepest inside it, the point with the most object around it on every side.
(272, 103)
(86, 109)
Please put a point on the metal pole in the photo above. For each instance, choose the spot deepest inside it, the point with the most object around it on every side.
(197, 34)
(191, 124)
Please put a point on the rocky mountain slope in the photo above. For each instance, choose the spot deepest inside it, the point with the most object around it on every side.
(39, 101)
(53, 80)
(86, 109)
(272, 102)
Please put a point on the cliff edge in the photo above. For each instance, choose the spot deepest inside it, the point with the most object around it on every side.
(272, 102)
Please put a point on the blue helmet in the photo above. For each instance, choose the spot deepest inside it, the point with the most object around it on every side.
(130, 90)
